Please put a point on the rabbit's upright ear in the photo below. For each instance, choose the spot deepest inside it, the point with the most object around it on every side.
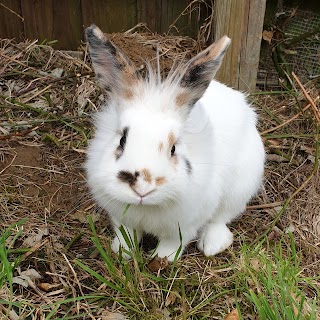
(201, 69)
(114, 71)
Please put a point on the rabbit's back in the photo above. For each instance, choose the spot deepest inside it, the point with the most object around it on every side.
(237, 152)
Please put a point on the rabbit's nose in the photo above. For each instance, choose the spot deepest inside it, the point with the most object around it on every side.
(141, 193)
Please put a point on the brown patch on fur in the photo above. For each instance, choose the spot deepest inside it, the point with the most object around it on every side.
(160, 148)
(128, 71)
(118, 153)
(147, 177)
(128, 94)
(182, 98)
(171, 139)
(210, 53)
(160, 181)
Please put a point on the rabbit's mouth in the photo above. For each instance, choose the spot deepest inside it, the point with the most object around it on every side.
(143, 195)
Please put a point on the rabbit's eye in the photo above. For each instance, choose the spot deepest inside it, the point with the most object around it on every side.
(173, 149)
(123, 141)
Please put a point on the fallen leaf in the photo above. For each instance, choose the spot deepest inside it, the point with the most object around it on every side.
(45, 286)
(171, 299)
(35, 237)
(267, 35)
(31, 273)
(290, 228)
(255, 264)
(276, 158)
(165, 314)
(233, 315)
(25, 277)
(57, 72)
(158, 264)
(274, 234)
(107, 315)
(21, 280)
(82, 216)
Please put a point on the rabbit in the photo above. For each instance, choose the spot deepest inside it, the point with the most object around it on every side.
(183, 151)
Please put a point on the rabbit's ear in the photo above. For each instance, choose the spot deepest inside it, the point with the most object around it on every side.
(115, 72)
(201, 69)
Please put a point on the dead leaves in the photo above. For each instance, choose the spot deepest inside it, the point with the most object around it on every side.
(267, 35)
(233, 315)
(107, 315)
(157, 264)
(35, 237)
(26, 278)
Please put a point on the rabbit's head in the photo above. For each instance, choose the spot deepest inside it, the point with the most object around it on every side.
(139, 154)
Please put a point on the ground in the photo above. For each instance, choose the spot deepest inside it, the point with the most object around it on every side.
(61, 263)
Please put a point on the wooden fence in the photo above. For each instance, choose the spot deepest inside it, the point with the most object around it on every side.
(65, 20)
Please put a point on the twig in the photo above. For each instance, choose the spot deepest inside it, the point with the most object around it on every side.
(18, 15)
(54, 80)
(11, 313)
(33, 249)
(315, 109)
(265, 205)
(19, 134)
(36, 94)
(291, 119)
(74, 273)
(9, 165)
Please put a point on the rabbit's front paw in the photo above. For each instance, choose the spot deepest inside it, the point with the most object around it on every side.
(168, 248)
(115, 246)
(215, 239)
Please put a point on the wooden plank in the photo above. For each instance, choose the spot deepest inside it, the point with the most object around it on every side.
(53, 20)
(170, 11)
(11, 21)
(149, 12)
(38, 19)
(242, 21)
(110, 16)
(67, 24)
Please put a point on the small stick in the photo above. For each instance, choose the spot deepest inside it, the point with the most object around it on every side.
(36, 94)
(18, 15)
(306, 94)
(53, 80)
(11, 313)
(74, 273)
(33, 249)
(265, 205)
(19, 134)
(291, 119)
(9, 165)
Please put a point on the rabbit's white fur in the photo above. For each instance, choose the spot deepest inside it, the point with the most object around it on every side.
(216, 168)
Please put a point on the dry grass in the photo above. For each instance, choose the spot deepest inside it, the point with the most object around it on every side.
(46, 98)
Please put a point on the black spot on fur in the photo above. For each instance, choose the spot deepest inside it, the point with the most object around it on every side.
(192, 102)
(95, 42)
(120, 66)
(128, 177)
(122, 143)
(193, 75)
(110, 47)
(188, 166)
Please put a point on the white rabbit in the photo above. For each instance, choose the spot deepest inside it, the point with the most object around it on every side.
(184, 152)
